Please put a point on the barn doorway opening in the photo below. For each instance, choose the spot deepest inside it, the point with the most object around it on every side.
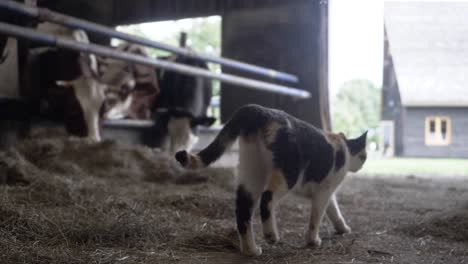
(355, 68)
(383, 79)
(203, 34)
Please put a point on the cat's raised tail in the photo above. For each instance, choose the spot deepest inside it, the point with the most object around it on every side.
(215, 150)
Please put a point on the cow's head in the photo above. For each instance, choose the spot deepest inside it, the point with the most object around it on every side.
(181, 128)
(88, 90)
(136, 86)
(90, 95)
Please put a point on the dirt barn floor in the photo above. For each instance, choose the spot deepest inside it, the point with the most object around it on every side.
(67, 200)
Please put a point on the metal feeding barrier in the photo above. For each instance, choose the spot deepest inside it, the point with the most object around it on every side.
(25, 33)
(43, 14)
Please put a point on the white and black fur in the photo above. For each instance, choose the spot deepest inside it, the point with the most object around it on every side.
(181, 107)
(177, 128)
(279, 153)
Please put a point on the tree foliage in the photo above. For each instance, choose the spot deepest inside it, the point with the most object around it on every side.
(203, 35)
(356, 109)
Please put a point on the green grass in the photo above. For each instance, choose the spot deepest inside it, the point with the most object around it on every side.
(417, 166)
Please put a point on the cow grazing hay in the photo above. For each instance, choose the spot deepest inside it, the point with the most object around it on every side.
(69, 200)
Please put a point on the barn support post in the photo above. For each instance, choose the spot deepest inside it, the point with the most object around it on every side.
(25, 33)
(47, 15)
(291, 37)
(392, 109)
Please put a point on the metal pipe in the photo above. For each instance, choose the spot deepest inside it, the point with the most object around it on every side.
(26, 33)
(130, 123)
(48, 15)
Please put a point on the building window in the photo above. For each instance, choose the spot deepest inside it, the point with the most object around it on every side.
(438, 131)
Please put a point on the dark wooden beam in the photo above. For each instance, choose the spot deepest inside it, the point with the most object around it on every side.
(392, 108)
(291, 38)
(131, 12)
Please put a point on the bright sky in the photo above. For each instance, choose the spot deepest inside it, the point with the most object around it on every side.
(161, 30)
(356, 42)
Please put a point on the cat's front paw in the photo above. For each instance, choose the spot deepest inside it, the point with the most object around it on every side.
(254, 251)
(344, 229)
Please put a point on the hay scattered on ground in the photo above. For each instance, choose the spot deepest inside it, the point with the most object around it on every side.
(76, 157)
(450, 225)
(64, 197)
(69, 200)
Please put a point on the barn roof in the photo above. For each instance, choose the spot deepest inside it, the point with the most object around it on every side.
(429, 45)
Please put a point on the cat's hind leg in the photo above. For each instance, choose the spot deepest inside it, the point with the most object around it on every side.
(252, 176)
(335, 216)
(284, 175)
(245, 204)
(319, 201)
(276, 190)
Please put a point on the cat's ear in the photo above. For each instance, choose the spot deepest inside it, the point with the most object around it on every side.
(362, 140)
(363, 137)
(357, 144)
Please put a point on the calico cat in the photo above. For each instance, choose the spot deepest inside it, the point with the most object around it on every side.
(279, 153)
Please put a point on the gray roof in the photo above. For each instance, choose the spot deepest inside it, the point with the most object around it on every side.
(429, 45)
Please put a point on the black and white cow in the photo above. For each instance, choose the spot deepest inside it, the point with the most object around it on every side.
(181, 107)
(93, 82)
(130, 102)
(68, 89)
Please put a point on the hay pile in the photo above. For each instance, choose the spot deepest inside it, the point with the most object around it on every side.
(450, 225)
(78, 158)
(69, 200)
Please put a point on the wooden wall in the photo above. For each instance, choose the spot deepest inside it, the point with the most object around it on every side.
(414, 129)
(128, 12)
